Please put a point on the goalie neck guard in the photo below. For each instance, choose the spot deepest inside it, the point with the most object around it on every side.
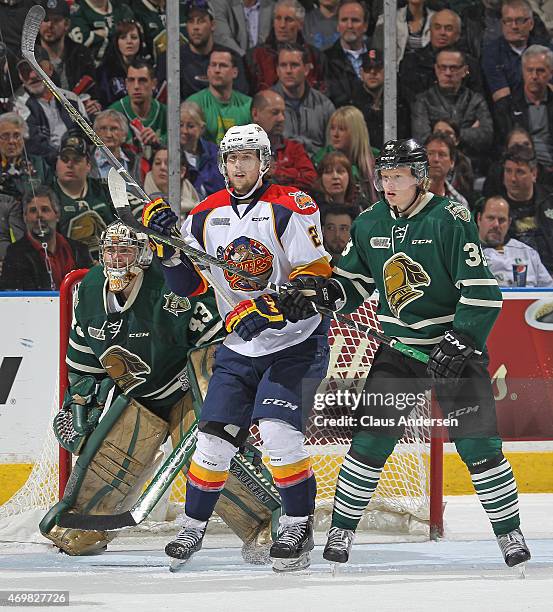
(242, 138)
(124, 254)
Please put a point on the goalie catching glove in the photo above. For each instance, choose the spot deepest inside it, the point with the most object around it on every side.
(299, 298)
(158, 216)
(250, 317)
(449, 357)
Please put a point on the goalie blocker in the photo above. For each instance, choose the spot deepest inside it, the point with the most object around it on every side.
(122, 453)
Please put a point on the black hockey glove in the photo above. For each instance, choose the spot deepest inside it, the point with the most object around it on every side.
(449, 357)
(297, 299)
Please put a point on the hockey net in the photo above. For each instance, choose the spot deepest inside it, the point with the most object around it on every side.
(408, 499)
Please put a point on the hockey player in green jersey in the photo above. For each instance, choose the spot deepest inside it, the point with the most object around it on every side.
(127, 362)
(422, 253)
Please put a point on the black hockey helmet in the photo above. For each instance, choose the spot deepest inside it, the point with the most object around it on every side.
(402, 153)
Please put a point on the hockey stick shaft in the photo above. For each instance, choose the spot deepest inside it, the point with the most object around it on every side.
(180, 455)
(34, 18)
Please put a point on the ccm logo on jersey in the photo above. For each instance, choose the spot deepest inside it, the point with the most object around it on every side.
(279, 402)
(461, 411)
(139, 335)
(422, 241)
(380, 242)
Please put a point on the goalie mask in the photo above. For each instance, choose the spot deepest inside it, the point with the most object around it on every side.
(241, 138)
(124, 253)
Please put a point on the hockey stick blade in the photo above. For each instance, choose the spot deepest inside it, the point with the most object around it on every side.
(180, 455)
(34, 18)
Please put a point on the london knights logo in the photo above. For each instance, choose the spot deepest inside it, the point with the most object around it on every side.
(124, 367)
(175, 304)
(249, 255)
(401, 276)
(458, 211)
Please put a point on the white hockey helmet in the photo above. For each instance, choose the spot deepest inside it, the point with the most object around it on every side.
(241, 138)
(121, 265)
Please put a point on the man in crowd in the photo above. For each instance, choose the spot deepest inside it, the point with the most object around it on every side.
(440, 149)
(308, 111)
(242, 24)
(344, 57)
(512, 262)
(336, 222)
(221, 104)
(147, 116)
(85, 202)
(48, 121)
(416, 71)
(287, 29)
(194, 54)
(41, 258)
(290, 164)
(320, 27)
(531, 204)
(367, 97)
(450, 98)
(71, 61)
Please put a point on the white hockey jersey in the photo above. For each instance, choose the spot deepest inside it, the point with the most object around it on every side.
(276, 237)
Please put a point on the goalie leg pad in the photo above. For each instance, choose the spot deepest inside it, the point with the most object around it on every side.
(117, 458)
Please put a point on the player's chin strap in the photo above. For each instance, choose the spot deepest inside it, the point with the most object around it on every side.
(416, 198)
(257, 185)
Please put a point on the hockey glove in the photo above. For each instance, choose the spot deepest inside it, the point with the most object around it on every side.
(250, 317)
(298, 298)
(158, 216)
(449, 357)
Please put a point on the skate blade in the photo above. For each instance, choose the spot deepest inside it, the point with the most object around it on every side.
(282, 566)
(176, 565)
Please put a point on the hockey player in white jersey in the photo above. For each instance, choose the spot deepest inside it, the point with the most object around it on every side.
(274, 357)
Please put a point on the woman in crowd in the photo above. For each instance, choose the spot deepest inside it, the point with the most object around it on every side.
(335, 184)
(126, 46)
(200, 154)
(156, 183)
(462, 175)
(347, 133)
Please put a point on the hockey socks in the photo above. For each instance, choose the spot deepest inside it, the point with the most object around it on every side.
(203, 489)
(496, 488)
(297, 487)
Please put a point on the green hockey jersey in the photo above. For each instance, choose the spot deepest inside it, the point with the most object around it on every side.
(94, 28)
(429, 269)
(144, 346)
(85, 218)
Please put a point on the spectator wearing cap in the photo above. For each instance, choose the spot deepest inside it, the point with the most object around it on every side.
(368, 98)
(93, 22)
(194, 54)
(512, 262)
(290, 164)
(261, 61)
(42, 257)
(222, 106)
(501, 58)
(112, 127)
(48, 121)
(125, 47)
(532, 108)
(85, 204)
(441, 151)
(531, 204)
(344, 57)
(412, 28)
(145, 114)
(450, 98)
(242, 24)
(73, 63)
(320, 27)
(416, 71)
(307, 110)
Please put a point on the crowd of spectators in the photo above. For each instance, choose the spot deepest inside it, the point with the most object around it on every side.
(474, 83)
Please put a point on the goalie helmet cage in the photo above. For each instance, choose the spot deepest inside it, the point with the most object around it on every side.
(408, 500)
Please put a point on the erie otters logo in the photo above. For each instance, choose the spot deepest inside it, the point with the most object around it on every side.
(249, 255)
(303, 200)
(124, 367)
(401, 276)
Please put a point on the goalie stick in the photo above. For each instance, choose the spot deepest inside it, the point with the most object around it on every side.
(34, 18)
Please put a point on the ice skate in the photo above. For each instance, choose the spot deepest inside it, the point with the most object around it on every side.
(188, 541)
(338, 546)
(290, 551)
(513, 547)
